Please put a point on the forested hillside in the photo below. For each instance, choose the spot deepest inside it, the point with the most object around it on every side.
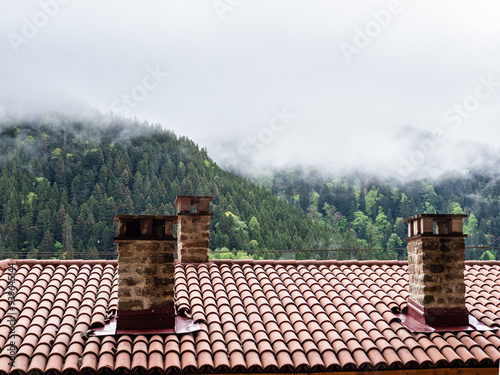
(375, 210)
(62, 181)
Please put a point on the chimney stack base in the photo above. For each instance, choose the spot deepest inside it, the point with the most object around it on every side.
(426, 320)
(438, 317)
(148, 319)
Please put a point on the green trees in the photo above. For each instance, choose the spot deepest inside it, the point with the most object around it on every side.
(60, 189)
(373, 212)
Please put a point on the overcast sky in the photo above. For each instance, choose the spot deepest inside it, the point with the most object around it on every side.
(265, 83)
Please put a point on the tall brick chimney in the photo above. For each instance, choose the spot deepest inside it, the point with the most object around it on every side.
(436, 264)
(146, 248)
(193, 234)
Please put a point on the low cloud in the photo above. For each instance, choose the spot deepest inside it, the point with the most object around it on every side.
(400, 106)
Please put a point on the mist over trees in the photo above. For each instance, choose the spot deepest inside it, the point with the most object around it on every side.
(375, 210)
(63, 180)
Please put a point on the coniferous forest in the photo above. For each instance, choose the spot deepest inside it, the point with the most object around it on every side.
(63, 180)
(375, 210)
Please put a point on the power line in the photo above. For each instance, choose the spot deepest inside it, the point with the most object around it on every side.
(335, 250)
(495, 240)
(301, 251)
(486, 247)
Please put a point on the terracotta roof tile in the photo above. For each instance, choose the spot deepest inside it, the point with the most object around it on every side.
(254, 316)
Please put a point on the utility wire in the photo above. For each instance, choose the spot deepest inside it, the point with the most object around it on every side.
(303, 250)
(113, 255)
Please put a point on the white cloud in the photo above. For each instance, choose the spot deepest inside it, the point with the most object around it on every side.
(226, 77)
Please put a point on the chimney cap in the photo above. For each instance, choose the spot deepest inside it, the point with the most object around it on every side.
(194, 198)
(139, 217)
(146, 227)
(187, 203)
(436, 217)
(435, 225)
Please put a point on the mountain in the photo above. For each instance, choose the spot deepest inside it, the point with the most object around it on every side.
(375, 209)
(62, 181)
(63, 178)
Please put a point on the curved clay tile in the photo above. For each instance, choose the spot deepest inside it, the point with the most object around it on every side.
(252, 358)
(314, 360)
(421, 356)
(172, 362)
(237, 360)
(89, 362)
(330, 360)
(155, 362)
(480, 356)
(106, 362)
(435, 355)
(221, 361)
(376, 359)
(139, 362)
(406, 357)
(20, 364)
(55, 364)
(38, 363)
(346, 360)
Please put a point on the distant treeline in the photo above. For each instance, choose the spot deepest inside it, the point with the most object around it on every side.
(62, 181)
(375, 210)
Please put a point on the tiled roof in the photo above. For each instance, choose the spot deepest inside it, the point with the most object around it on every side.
(255, 316)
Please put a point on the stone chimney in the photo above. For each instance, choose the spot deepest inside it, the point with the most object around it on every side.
(146, 248)
(436, 264)
(193, 233)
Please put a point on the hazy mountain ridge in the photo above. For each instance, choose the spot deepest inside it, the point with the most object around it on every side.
(62, 181)
(375, 209)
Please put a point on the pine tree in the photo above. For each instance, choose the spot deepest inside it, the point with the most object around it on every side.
(67, 237)
(46, 247)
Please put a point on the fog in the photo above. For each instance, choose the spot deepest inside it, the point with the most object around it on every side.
(408, 89)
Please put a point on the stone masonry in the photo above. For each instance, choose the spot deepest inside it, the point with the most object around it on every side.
(436, 270)
(193, 228)
(436, 264)
(146, 249)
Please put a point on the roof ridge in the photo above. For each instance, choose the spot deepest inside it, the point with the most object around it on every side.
(482, 262)
(309, 262)
(66, 262)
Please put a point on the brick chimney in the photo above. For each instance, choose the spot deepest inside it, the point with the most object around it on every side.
(436, 264)
(193, 233)
(146, 248)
